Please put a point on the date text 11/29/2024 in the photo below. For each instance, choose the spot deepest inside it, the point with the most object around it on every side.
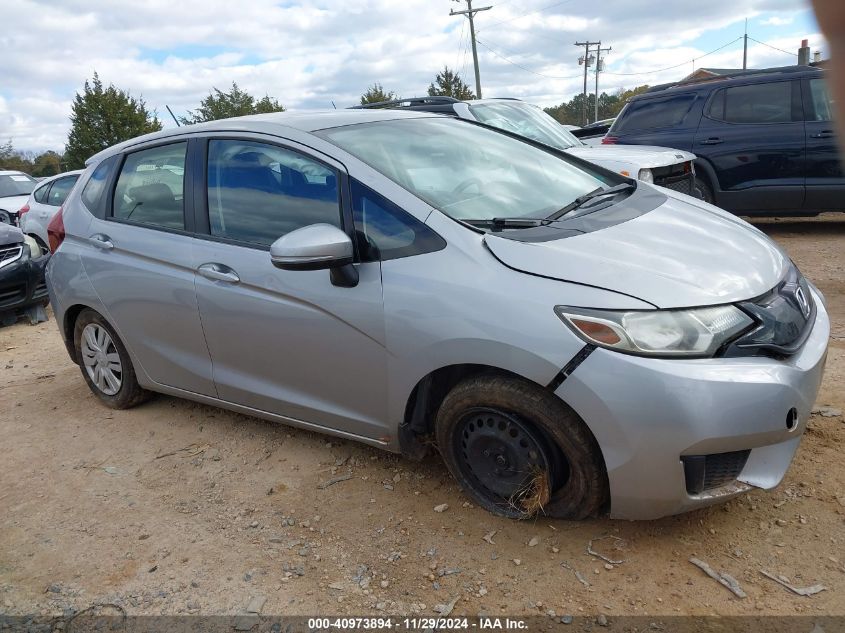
(415, 624)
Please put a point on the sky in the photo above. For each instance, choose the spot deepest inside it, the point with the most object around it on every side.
(325, 53)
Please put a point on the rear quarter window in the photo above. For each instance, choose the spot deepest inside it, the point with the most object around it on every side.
(94, 193)
(40, 194)
(654, 113)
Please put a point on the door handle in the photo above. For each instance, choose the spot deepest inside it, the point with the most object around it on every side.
(711, 141)
(823, 134)
(219, 272)
(103, 242)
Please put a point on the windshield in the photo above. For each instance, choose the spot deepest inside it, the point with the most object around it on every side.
(525, 120)
(465, 170)
(16, 185)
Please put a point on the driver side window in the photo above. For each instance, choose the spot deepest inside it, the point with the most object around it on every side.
(259, 192)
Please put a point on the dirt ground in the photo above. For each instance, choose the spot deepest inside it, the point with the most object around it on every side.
(175, 507)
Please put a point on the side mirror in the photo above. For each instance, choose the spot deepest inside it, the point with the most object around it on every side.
(317, 247)
(313, 247)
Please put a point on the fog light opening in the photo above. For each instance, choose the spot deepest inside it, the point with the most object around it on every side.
(792, 419)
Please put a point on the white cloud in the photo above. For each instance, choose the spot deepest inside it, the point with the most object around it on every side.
(310, 54)
(776, 20)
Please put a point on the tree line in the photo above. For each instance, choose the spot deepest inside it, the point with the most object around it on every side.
(102, 116)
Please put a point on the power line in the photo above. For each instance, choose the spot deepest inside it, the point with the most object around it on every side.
(694, 59)
(460, 44)
(464, 59)
(533, 72)
(525, 15)
(770, 46)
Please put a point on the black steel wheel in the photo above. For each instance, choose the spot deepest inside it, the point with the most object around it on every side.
(503, 454)
(517, 450)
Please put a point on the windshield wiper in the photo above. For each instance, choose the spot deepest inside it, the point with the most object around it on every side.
(580, 201)
(497, 224)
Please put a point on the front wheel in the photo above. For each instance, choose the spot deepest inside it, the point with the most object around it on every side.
(105, 363)
(518, 451)
(704, 191)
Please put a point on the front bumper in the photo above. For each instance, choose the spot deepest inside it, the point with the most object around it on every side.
(22, 284)
(647, 414)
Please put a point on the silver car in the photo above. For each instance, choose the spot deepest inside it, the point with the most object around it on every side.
(571, 341)
(43, 203)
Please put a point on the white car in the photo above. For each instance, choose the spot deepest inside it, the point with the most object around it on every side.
(663, 166)
(15, 187)
(44, 202)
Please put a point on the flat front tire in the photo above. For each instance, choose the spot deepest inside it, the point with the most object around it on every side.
(105, 363)
(518, 450)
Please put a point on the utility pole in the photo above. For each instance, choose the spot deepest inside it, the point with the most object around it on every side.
(587, 62)
(470, 13)
(745, 46)
(599, 68)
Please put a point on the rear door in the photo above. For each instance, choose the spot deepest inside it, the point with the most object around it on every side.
(139, 257)
(753, 137)
(824, 177)
(286, 342)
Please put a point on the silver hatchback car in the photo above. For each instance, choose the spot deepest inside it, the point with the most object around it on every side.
(571, 341)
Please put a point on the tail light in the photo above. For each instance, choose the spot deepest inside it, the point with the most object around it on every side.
(23, 210)
(56, 231)
(609, 140)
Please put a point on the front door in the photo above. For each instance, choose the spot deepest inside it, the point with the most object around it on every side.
(286, 342)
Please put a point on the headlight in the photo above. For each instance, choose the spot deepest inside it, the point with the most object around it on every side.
(646, 176)
(699, 332)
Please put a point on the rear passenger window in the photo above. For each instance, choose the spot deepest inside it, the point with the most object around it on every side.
(60, 190)
(659, 112)
(257, 192)
(150, 188)
(756, 103)
(384, 231)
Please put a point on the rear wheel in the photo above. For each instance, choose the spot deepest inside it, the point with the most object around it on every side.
(105, 363)
(517, 450)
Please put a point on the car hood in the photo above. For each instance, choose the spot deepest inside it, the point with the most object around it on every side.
(13, 203)
(643, 156)
(680, 254)
(10, 235)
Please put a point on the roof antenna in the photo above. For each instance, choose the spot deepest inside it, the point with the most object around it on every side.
(334, 106)
(173, 115)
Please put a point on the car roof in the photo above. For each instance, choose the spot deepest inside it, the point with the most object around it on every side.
(73, 172)
(738, 78)
(308, 121)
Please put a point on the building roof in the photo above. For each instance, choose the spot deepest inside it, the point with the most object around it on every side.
(703, 73)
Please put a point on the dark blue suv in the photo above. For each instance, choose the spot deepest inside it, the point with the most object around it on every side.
(764, 139)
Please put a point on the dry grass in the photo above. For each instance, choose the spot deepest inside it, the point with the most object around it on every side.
(533, 497)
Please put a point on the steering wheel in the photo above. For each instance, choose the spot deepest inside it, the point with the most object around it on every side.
(466, 184)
